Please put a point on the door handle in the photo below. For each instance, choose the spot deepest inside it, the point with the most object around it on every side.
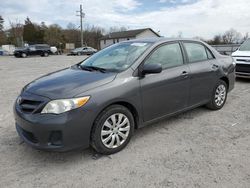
(184, 74)
(215, 67)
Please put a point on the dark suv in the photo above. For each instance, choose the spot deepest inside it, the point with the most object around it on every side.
(37, 49)
(101, 100)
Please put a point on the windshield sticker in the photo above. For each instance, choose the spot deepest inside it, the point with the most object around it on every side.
(139, 44)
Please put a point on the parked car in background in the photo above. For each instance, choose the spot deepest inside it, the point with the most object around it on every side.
(83, 51)
(54, 50)
(101, 100)
(242, 60)
(9, 49)
(3, 52)
(37, 49)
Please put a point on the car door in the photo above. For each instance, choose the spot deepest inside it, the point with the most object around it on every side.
(39, 50)
(85, 50)
(203, 70)
(31, 50)
(166, 92)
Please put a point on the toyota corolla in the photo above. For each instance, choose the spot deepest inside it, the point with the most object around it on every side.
(100, 101)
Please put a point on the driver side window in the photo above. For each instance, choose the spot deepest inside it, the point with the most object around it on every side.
(169, 55)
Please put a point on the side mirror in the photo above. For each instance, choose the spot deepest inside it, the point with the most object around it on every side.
(151, 69)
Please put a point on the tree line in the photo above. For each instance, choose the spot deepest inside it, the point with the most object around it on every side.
(229, 37)
(54, 35)
(32, 33)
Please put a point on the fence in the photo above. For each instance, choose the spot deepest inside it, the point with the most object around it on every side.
(226, 49)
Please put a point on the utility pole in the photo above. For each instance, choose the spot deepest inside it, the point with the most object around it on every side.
(82, 14)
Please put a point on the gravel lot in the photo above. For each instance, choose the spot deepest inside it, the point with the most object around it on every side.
(199, 148)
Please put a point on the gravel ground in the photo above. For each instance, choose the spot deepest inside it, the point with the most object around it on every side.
(199, 148)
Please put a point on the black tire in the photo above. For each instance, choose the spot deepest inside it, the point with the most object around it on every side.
(213, 105)
(45, 54)
(23, 55)
(96, 137)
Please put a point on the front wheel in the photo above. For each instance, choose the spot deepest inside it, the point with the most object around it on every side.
(24, 55)
(219, 96)
(112, 130)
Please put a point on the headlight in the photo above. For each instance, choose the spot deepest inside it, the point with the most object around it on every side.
(234, 61)
(64, 105)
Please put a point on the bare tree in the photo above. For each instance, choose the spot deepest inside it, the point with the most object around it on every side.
(1, 23)
(216, 40)
(117, 29)
(2, 34)
(245, 37)
(231, 36)
(180, 34)
(53, 35)
(15, 33)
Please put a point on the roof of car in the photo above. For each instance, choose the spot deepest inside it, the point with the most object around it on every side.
(162, 39)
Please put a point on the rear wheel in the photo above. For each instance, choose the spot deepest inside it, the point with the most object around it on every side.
(219, 96)
(45, 54)
(112, 130)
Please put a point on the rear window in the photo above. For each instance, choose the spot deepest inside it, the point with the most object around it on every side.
(168, 56)
(42, 47)
(196, 52)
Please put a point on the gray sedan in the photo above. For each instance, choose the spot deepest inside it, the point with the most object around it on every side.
(100, 101)
(83, 51)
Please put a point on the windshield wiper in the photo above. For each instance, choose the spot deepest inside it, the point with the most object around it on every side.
(92, 68)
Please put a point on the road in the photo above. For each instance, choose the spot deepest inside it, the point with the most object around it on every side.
(199, 148)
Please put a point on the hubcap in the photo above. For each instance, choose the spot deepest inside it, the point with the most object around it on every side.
(115, 130)
(220, 95)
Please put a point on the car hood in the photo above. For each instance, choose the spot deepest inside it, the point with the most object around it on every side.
(68, 83)
(241, 53)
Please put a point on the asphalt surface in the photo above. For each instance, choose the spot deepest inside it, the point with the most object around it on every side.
(199, 148)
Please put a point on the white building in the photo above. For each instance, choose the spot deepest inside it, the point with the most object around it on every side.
(117, 37)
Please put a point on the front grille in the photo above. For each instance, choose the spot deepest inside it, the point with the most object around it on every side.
(243, 60)
(29, 106)
(243, 68)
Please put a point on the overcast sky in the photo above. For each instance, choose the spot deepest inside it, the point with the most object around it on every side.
(203, 18)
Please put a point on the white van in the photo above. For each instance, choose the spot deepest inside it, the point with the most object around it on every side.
(242, 60)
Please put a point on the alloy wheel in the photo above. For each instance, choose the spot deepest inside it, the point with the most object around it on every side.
(220, 95)
(115, 130)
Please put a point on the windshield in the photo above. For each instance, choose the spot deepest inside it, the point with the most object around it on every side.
(117, 57)
(77, 49)
(245, 46)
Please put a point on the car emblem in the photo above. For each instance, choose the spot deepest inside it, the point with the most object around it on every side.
(19, 100)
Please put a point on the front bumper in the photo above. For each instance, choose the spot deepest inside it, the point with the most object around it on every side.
(242, 67)
(61, 132)
(242, 75)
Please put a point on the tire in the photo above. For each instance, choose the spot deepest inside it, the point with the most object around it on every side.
(106, 136)
(219, 96)
(23, 55)
(78, 53)
(45, 54)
